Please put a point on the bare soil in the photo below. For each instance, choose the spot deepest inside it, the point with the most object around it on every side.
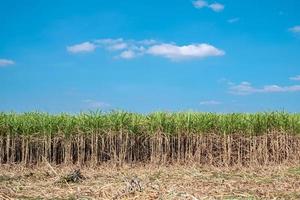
(149, 182)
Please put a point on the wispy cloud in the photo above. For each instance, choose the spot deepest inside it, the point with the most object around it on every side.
(225, 81)
(200, 4)
(175, 52)
(217, 7)
(95, 104)
(295, 78)
(6, 62)
(82, 48)
(295, 29)
(112, 44)
(128, 54)
(129, 49)
(233, 20)
(210, 102)
(246, 88)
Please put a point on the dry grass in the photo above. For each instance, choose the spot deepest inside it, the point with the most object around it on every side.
(160, 148)
(151, 182)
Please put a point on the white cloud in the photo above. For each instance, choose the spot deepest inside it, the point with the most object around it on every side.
(109, 41)
(121, 44)
(210, 102)
(242, 89)
(81, 48)
(128, 54)
(118, 46)
(6, 62)
(295, 29)
(246, 88)
(128, 49)
(113, 44)
(295, 78)
(217, 7)
(175, 52)
(96, 104)
(233, 20)
(200, 4)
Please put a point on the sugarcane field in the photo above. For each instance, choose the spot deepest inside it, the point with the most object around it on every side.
(149, 100)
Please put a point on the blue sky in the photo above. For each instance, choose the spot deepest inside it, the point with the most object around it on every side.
(149, 55)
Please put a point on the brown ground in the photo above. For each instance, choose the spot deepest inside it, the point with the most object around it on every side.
(149, 182)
